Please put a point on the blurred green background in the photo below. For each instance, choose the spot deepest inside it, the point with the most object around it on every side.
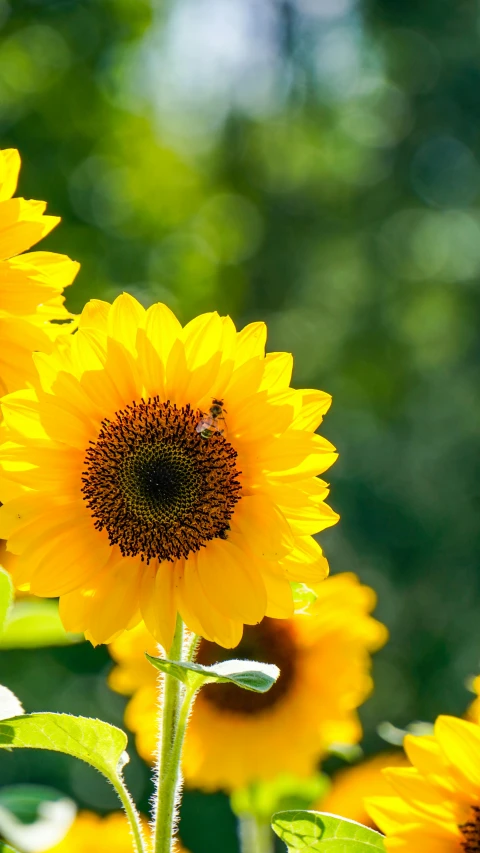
(314, 164)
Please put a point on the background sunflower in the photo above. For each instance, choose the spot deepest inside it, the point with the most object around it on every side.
(92, 834)
(31, 284)
(324, 661)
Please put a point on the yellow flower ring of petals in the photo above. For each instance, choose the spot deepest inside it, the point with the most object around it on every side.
(434, 805)
(236, 737)
(31, 284)
(157, 469)
(90, 833)
(351, 785)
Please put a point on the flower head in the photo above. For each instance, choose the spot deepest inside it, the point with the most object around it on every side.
(434, 804)
(90, 833)
(236, 736)
(157, 469)
(351, 785)
(31, 284)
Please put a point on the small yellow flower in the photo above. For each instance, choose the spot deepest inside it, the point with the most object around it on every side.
(235, 736)
(434, 805)
(31, 284)
(351, 785)
(93, 834)
(157, 469)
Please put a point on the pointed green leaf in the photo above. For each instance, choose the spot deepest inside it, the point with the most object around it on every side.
(312, 831)
(33, 623)
(6, 595)
(248, 674)
(97, 743)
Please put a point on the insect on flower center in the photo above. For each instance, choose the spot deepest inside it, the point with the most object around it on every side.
(471, 832)
(159, 488)
(271, 641)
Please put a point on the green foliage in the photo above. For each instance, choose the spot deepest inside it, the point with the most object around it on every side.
(23, 801)
(251, 675)
(307, 830)
(93, 741)
(33, 623)
(6, 595)
(5, 848)
(34, 813)
(284, 792)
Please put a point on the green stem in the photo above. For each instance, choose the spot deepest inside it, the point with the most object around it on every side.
(132, 815)
(255, 835)
(192, 648)
(174, 710)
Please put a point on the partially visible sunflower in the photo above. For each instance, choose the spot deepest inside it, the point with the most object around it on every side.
(435, 804)
(31, 285)
(93, 834)
(473, 711)
(235, 736)
(167, 470)
(351, 785)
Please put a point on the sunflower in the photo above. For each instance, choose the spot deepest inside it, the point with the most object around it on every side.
(156, 469)
(235, 736)
(351, 785)
(31, 284)
(437, 802)
(93, 834)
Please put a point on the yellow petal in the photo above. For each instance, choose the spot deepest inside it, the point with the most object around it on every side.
(125, 317)
(9, 169)
(460, 743)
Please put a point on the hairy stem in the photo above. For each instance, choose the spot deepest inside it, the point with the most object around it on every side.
(132, 815)
(173, 719)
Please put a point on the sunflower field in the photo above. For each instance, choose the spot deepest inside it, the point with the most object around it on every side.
(239, 426)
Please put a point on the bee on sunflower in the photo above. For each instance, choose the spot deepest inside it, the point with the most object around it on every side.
(31, 283)
(237, 737)
(434, 805)
(114, 501)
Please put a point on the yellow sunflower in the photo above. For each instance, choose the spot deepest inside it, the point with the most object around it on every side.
(93, 834)
(235, 736)
(351, 785)
(31, 284)
(435, 804)
(157, 469)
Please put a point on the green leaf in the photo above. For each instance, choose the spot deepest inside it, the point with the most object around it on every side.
(93, 741)
(311, 831)
(34, 623)
(10, 706)
(4, 848)
(248, 674)
(6, 595)
(285, 791)
(34, 817)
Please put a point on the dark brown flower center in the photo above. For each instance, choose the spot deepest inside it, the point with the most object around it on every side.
(471, 832)
(272, 641)
(159, 488)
